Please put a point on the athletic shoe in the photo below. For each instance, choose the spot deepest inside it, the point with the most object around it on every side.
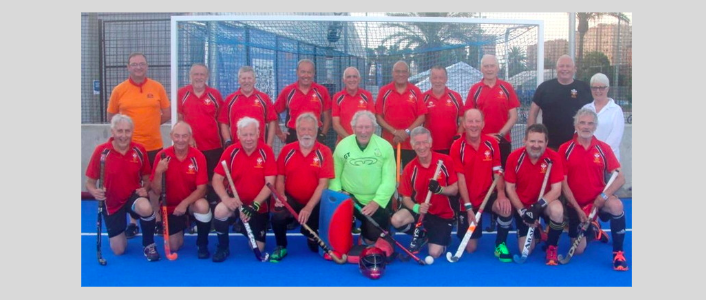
(600, 234)
(313, 245)
(619, 262)
(278, 254)
(502, 253)
(220, 255)
(151, 252)
(552, 260)
(158, 228)
(131, 230)
(416, 244)
(202, 252)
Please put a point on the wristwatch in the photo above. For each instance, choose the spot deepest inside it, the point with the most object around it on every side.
(604, 196)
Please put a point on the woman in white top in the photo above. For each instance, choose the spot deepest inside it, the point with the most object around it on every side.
(611, 122)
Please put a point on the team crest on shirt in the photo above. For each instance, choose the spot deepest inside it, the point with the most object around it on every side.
(596, 158)
(134, 158)
(256, 103)
(361, 103)
(316, 163)
(544, 168)
(259, 163)
(207, 101)
(377, 152)
(411, 98)
(501, 94)
(150, 96)
(486, 156)
(191, 169)
(448, 102)
(574, 93)
(314, 98)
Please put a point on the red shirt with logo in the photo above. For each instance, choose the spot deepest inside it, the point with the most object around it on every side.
(257, 106)
(477, 165)
(302, 173)
(345, 105)
(201, 112)
(585, 169)
(415, 183)
(399, 110)
(248, 170)
(494, 102)
(442, 117)
(123, 172)
(528, 177)
(316, 101)
(183, 176)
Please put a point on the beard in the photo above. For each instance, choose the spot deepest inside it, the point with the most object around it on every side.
(306, 141)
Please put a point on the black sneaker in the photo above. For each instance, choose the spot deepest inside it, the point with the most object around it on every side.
(220, 255)
(158, 228)
(202, 252)
(131, 230)
(151, 252)
(313, 245)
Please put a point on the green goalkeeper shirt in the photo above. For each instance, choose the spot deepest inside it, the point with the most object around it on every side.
(368, 174)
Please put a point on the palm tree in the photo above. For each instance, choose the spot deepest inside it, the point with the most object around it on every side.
(516, 61)
(426, 39)
(583, 19)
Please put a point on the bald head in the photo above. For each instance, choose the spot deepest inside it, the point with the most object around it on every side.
(565, 69)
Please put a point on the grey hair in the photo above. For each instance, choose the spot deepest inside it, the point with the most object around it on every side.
(351, 68)
(487, 56)
(441, 68)
(121, 118)
(306, 60)
(200, 65)
(188, 127)
(419, 130)
(402, 62)
(585, 111)
(600, 78)
(307, 116)
(364, 113)
(245, 69)
(247, 121)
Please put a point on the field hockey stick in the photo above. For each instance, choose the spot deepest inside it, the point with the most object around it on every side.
(396, 204)
(419, 227)
(340, 260)
(530, 231)
(472, 227)
(251, 237)
(584, 226)
(101, 203)
(386, 233)
(165, 217)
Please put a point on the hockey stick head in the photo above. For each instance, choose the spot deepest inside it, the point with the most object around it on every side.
(519, 259)
(451, 258)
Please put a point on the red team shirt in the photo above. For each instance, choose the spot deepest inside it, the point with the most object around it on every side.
(316, 101)
(585, 169)
(202, 114)
(123, 173)
(494, 102)
(248, 171)
(257, 106)
(442, 117)
(302, 173)
(345, 106)
(477, 166)
(528, 177)
(399, 110)
(415, 183)
(182, 176)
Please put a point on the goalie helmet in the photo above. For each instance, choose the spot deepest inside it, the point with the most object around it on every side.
(372, 262)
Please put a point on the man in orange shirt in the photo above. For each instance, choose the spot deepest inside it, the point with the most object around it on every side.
(146, 102)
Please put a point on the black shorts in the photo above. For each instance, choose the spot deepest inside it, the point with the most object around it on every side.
(406, 156)
(573, 217)
(505, 149)
(176, 223)
(367, 229)
(522, 228)
(463, 216)
(151, 155)
(438, 229)
(258, 225)
(281, 213)
(116, 222)
(212, 157)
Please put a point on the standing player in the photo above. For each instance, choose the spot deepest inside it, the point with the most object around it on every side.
(477, 163)
(526, 169)
(303, 171)
(417, 181)
(444, 111)
(185, 168)
(252, 164)
(586, 161)
(349, 101)
(126, 186)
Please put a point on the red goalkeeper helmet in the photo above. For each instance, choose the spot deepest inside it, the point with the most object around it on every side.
(372, 262)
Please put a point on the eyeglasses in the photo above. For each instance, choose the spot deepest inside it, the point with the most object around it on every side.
(599, 88)
(135, 65)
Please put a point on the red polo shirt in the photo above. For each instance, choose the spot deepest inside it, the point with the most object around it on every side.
(415, 183)
(302, 173)
(248, 171)
(257, 106)
(202, 114)
(494, 102)
(316, 101)
(528, 177)
(345, 105)
(442, 117)
(399, 110)
(585, 169)
(478, 166)
(123, 172)
(182, 176)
